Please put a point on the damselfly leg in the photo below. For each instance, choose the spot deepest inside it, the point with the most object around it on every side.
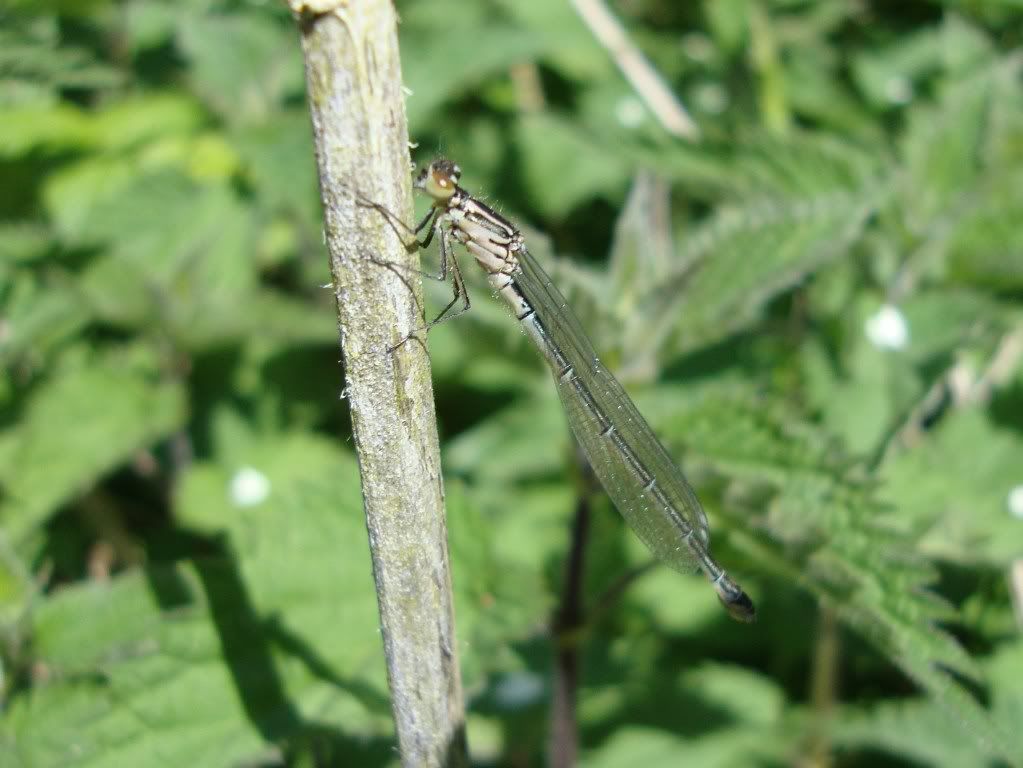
(433, 222)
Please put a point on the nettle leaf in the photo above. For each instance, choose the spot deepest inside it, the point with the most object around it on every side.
(570, 48)
(864, 388)
(272, 634)
(49, 128)
(986, 248)
(1004, 668)
(498, 601)
(889, 76)
(962, 516)
(149, 24)
(278, 157)
(917, 729)
(728, 22)
(243, 64)
(22, 242)
(709, 714)
(90, 416)
(161, 692)
(802, 205)
(71, 194)
(119, 126)
(40, 312)
(941, 151)
(37, 61)
(943, 323)
(817, 88)
(488, 43)
(641, 256)
(523, 501)
(216, 661)
(827, 531)
(530, 436)
(180, 256)
(143, 121)
(959, 153)
(866, 395)
(635, 745)
(676, 604)
(562, 166)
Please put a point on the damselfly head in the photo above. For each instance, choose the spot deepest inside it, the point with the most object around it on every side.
(439, 179)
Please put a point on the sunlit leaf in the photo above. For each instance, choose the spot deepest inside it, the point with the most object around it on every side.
(90, 418)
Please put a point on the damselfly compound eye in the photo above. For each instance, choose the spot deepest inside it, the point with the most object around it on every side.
(441, 179)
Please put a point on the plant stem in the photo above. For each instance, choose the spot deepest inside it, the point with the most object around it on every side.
(566, 627)
(353, 77)
(824, 688)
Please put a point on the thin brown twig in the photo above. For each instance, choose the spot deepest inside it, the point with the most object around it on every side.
(567, 624)
(637, 70)
(823, 688)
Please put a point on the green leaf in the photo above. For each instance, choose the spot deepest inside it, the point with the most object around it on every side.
(278, 158)
(243, 64)
(865, 391)
(569, 46)
(50, 128)
(90, 417)
(867, 396)
(888, 76)
(641, 251)
(530, 437)
(488, 44)
(144, 120)
(632, 745)
(121, 125)
(150, 24)
(38, 60)
(986, 248)
(216, 660)
(180, 256)
(563, 167)
(23, 242)
(728, 22)
(41, 316)
(942, 149)
(917, 729)
(804, 205)
(830, 533)
(497, 601)
(962, 515)
(677, 604)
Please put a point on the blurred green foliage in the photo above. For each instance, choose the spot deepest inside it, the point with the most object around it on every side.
(817, 305)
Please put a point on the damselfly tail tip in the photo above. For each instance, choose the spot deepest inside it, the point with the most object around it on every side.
(739, 606)
(735, 600)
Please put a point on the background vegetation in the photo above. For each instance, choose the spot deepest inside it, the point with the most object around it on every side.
(184, 574)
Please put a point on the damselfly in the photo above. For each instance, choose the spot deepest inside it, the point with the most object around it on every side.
(645, 484)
